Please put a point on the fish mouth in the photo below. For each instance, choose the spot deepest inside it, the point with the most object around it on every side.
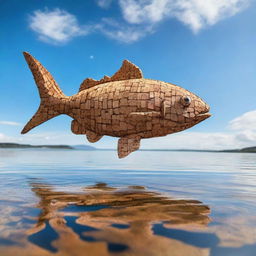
(204, 115)
(207, 114)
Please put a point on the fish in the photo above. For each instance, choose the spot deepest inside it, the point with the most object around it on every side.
(125, 105)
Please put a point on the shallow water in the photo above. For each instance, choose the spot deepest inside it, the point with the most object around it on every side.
(65, 202)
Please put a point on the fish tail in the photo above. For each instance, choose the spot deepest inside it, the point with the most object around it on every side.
(49, 91)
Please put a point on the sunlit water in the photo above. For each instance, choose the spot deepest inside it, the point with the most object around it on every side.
(44, 206)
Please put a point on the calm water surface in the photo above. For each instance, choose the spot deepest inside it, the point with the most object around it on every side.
(65, 202)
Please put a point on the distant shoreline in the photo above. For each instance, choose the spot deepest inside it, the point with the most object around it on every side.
(17, 145)
(242, 150)
(91, 148)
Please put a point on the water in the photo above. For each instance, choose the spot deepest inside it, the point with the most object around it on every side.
(65, 202)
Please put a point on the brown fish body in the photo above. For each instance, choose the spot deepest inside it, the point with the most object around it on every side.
(132, 108)
(135, 106)
(110, 108)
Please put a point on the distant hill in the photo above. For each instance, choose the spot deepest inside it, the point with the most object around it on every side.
(16, 145)
(180, 150)
(84, 147)
(242, 150)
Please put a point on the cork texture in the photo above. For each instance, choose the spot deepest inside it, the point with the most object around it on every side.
(125, 105)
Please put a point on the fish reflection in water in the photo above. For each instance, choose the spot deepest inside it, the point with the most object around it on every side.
(105, 220)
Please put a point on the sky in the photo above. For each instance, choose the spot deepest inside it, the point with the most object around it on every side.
(205, 46)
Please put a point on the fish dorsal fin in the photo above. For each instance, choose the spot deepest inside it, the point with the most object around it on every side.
(87, 83)
(127, 71)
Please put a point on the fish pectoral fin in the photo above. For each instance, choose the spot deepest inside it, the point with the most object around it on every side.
(144, 116)
(92, 136)
(127, 145)
(77, 128)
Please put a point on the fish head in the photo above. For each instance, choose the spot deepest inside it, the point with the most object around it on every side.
(183, 109)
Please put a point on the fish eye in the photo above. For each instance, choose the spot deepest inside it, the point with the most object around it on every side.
(186, 100)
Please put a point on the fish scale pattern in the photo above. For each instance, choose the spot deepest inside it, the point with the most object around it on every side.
(137, 106)
(125, 105)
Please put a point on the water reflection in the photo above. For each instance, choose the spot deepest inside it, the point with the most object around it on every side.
(204, 240)
(45, 237)
(113, 220)
(107, 220)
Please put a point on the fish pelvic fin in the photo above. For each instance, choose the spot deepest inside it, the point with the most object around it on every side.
(52, 97)
(127, 145)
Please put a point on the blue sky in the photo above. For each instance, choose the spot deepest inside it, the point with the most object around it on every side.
(205, 46)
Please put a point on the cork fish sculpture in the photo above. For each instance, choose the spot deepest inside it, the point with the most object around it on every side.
(125, 105)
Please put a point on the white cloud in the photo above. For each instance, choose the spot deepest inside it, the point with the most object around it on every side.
(51, 138)
(140, 18)
(104, 3)
(122, 32)
(143, 16)
(144, 11)
(5, 138)
(196, 14)
(247, 121)
(9, 123)
(56, 26)
(200, 140)
(125, 35)
(59, 26)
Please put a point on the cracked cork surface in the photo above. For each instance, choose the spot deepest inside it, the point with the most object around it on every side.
(125, 105)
